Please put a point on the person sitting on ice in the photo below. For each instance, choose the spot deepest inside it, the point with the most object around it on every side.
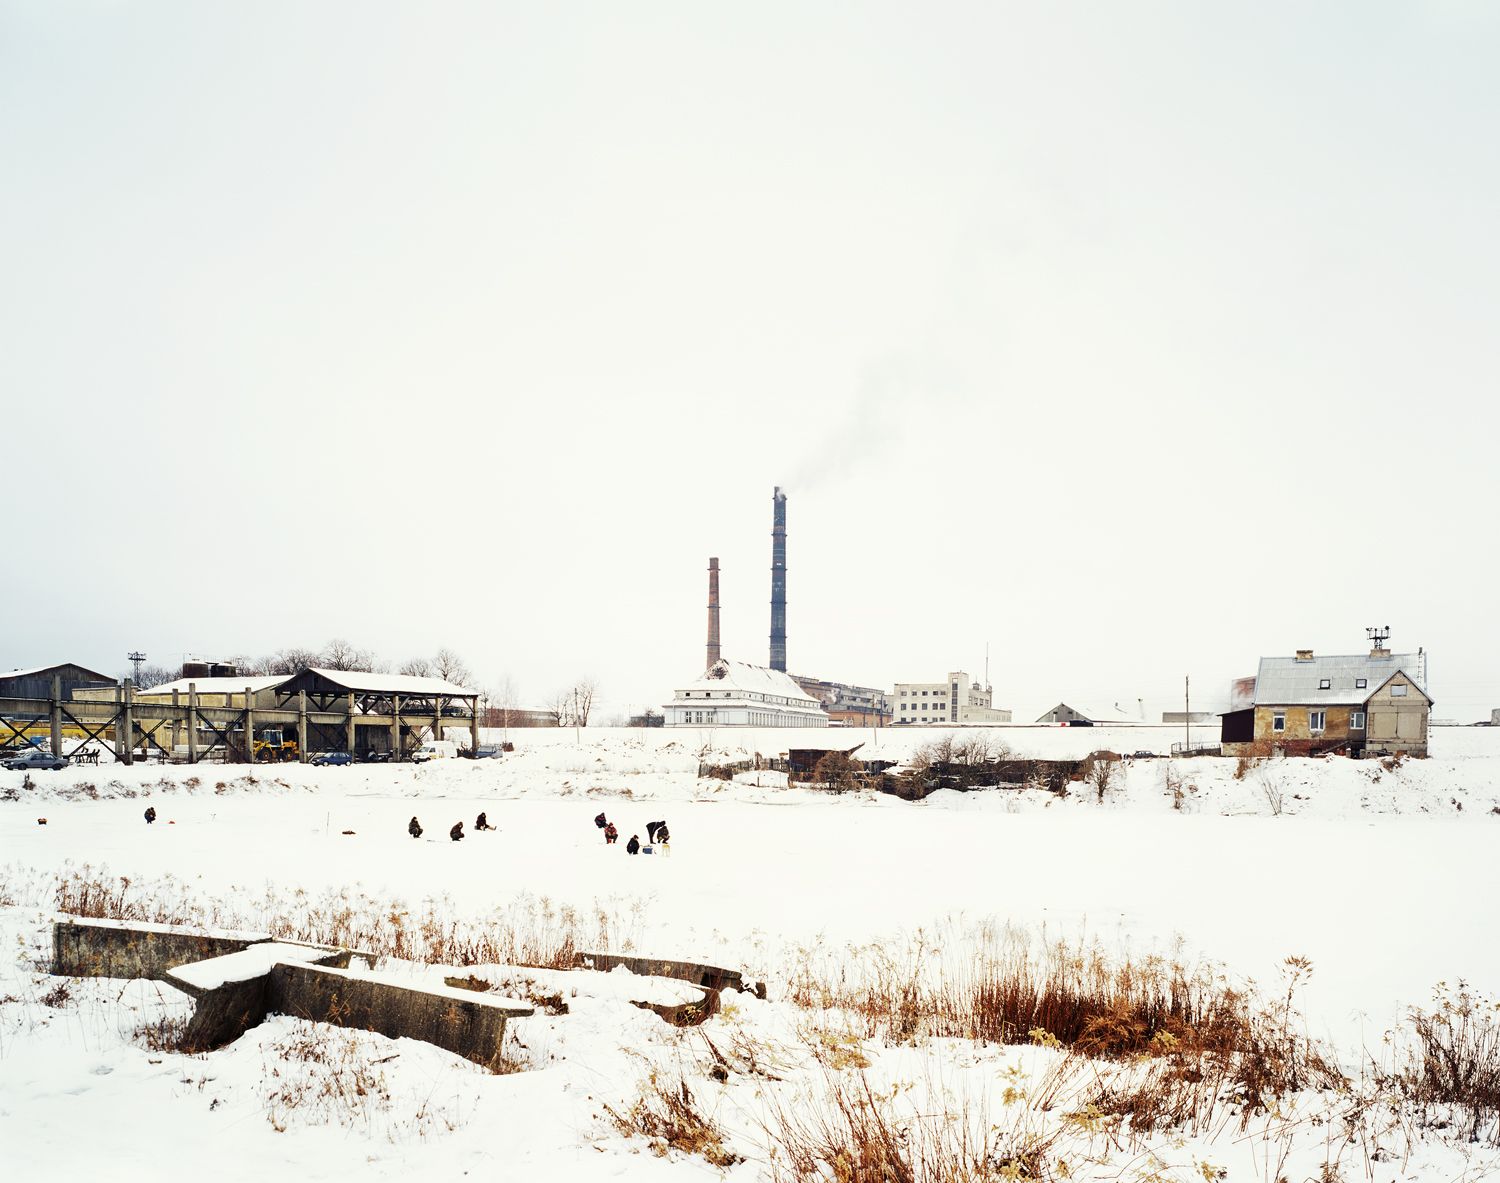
(457, 832)
(150, 814)
(633, 846)
(601, 821)
(482, 823)
(610, 834)
(662, 837)
(414, 828)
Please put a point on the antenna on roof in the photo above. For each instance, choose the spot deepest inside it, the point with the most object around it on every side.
(1378, 638)
(136, 657)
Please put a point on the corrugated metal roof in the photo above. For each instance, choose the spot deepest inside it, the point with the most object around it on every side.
(219, 685)
(1287, 681)
(47, 669)
(362, 682)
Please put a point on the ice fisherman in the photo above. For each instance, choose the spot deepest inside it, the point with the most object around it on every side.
(610, 834)
(634, 845)
(150, 814)
(457, 832)
(651, 828)
(601, 821)
(414, 828)
(482, 823)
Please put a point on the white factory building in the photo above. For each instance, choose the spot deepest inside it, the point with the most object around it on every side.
(956, 701)
(736, 694)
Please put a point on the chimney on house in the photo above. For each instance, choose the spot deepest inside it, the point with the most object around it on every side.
(778, 580)
(1304, 655)
(713, 612)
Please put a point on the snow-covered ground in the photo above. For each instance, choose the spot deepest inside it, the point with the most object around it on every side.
(1383, 877)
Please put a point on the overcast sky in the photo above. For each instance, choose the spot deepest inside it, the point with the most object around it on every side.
(1134, 340)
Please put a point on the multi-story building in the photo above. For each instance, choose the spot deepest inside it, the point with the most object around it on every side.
(846, 705)
(954, 702)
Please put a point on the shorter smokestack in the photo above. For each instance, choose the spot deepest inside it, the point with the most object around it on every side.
(713, 612)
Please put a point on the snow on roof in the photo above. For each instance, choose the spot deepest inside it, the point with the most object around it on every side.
(751, 679)
(219, 685)
(364, 682)
(45, 669)
(1289, 681)
(1110, 714)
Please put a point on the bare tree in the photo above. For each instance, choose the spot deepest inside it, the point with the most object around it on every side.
(450, 667)
(416, 667)
(339, 654)
(560, 707)
(291, 661)
(153, 675)
(581, 701)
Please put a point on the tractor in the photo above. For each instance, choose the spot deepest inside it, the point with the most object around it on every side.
(272, 747)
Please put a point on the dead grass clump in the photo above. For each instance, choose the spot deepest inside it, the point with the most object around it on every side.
(668, 1116)
(59, 996)
(1450, 1067)
(167, 1033)
(852, 1133)
(530, 931)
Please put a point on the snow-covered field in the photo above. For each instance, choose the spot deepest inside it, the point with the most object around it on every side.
(1383, 877)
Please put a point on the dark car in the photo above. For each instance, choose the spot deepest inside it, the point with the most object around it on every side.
(36, 759)
(492, 752)
(333, 758)
(374, 757)
(1143, 755)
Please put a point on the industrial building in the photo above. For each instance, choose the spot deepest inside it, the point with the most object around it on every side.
(767, 696)
(1094, 716)
(736, 694)
(290, 717)
(957, 701)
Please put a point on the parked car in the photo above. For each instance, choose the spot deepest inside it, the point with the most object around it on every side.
(36, 759)
(333, 758)
(488, 752)
(1143, 755)
(374, 757)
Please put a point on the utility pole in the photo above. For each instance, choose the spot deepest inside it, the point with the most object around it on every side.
(136, 658)
(1187, 714)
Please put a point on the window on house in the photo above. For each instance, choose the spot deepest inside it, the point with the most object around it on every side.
(1361, 683)
(1317, 720)
(1356, 720)
(1398, 690)
(1325, 684)
(1278, 721)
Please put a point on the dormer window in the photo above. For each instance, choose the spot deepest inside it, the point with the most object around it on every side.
(1325, 684)
(1361, 683)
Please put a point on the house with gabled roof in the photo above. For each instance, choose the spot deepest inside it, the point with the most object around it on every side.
(1362, 704)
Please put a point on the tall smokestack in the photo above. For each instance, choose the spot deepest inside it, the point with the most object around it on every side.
(713, 612)
(778, 580)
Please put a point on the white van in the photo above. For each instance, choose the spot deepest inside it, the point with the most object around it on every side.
(435, 749)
